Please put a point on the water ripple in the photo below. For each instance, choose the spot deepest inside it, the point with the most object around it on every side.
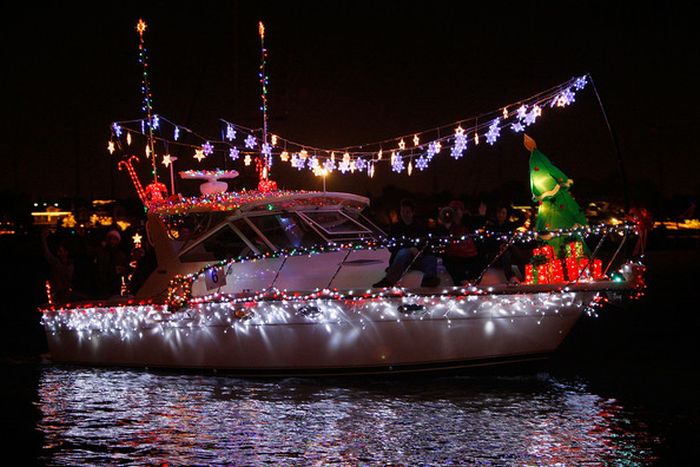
(97, 416)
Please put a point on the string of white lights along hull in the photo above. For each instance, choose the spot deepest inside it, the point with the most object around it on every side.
(317, 335)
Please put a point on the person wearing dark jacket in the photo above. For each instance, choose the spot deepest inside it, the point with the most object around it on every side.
(405, 254)
(461, 257)
(111, 264)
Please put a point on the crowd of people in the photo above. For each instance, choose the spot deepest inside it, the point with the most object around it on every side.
(463, 260)
(90, 265)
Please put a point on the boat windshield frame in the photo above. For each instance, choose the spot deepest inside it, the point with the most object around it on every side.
(366, 229)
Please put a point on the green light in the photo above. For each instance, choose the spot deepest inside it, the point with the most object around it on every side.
(270, 207)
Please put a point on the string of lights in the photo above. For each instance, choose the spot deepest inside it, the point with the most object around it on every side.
(403, 153)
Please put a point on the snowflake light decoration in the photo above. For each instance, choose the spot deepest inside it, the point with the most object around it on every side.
(329, 165)
(250, 142)
(422, 163)
(117, 129)
(230, 132)
(460, 143)
(208, 148)
(234, 153)
(494, 131)
(397, 164)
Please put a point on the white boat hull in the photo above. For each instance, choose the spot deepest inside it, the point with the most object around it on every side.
(323, 335)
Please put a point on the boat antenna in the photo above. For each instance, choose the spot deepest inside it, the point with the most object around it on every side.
(620, 162)
(147, 105)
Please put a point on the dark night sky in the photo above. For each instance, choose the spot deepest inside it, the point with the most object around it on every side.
(353, 72)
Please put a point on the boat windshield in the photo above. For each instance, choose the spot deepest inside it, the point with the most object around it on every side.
(336, 225)
(285, 230)
(222, 244)
(261, 233)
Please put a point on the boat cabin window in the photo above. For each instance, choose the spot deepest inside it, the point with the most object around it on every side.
(336, 225)
(252, 236)
(285, 230)
(223, 244)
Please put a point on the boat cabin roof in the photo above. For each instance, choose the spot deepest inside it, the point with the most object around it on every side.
(255, 200)
(251, 223)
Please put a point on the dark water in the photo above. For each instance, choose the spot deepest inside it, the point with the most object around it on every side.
(106, 416)
(622, 391)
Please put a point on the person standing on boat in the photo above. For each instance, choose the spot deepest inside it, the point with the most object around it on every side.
(460, 257)
(111, 264)
(406, 254)
(557, 209)
(61, 269)
(510, 255)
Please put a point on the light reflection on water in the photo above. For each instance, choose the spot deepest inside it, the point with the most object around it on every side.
(97, 416)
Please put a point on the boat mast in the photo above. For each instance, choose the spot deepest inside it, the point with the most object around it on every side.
(265, 168)
(146, 91)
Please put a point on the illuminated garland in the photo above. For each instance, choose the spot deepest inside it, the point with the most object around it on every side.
(179, 292)
(372, 244)
(403, 156)
(225, 201)
(152, 121)
(330, 307)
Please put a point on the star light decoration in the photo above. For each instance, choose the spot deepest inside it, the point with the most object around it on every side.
(250, 142)
(566, 97)
(167, 160)
(110, 147)
(416, 140)
(137, 240)
(199, 155)
(247, 159)
(402, 144)
(141, 26)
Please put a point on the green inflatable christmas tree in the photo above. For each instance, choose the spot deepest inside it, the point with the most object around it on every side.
(550, 189)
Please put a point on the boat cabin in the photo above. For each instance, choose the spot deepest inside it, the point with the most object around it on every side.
(192, 234)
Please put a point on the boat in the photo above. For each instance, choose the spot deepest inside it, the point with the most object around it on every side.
(298, 298)
(280, 282)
